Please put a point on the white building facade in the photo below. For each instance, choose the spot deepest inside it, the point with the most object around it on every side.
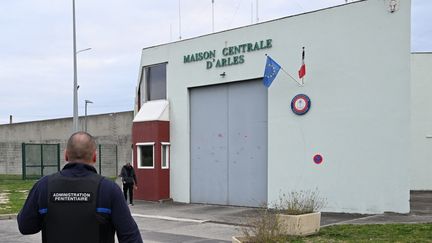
(234, 141)
(421, 117)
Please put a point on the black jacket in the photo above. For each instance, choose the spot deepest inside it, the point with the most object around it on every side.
(110, 201)
(128, 175)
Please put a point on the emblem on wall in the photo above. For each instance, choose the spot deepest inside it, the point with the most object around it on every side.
(300, 104)
(318, 159)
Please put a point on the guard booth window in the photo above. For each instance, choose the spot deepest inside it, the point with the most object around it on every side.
(165, 155)
(145, 155)
(152, 84)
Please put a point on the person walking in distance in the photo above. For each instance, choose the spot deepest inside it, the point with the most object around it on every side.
(129, 181)
(76, 204)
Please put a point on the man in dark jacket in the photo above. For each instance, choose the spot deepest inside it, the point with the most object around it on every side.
(129, 181)
(76, 204)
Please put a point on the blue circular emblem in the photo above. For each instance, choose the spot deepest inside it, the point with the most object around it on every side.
(300, 104)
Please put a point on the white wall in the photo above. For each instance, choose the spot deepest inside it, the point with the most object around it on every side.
(358, 74)
(421, 121)
(358, 80)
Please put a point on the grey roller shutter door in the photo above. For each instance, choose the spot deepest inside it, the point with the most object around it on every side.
(229, 144)
(247, 129)
(209, 166)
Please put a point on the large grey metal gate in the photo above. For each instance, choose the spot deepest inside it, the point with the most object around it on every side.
(229, 144)
(40, 159)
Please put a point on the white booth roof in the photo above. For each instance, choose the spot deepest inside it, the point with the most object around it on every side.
(155, 110)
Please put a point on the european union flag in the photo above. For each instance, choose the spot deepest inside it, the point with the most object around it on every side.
(270, 72)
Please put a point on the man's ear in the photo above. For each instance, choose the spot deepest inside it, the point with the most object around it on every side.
(94, 157)
(66, 156)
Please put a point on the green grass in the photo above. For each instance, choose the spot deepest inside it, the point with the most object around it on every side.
(13, 192)
(369, 233)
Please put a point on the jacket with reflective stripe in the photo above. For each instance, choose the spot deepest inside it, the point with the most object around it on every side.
(110, 204)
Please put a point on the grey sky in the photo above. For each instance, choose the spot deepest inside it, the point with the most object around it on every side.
(36, 69)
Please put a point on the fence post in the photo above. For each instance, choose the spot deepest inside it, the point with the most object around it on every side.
(23, 161)
(100, 159)
(116, 170)
(58, 157)
(42, 164)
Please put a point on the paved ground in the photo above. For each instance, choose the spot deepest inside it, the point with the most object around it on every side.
(176, 222)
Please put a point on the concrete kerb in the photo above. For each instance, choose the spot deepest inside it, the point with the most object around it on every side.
(169, 218)
(8, 216)
(351, 221)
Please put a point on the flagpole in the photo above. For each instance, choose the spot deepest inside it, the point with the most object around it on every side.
(300, 84)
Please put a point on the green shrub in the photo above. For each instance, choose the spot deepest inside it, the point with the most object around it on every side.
(299, 202)
(264, 225)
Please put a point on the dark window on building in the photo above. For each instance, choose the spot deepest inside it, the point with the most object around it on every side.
(156, 82)
(145, 156)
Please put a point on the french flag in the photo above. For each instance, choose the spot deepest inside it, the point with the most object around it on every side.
(302, 71)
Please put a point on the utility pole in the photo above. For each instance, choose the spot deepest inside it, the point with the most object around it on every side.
(257, 18)
(213, 16)
(179, 20)
(75, 82)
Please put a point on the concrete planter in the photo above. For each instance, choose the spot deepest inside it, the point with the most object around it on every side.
(239, 239)
(304, 224)
(297, 225)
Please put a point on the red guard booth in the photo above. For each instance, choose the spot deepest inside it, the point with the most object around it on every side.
(150, 137)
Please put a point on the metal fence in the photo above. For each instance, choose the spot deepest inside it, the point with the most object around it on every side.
(107, 163)
(39, 160)
(43, 159)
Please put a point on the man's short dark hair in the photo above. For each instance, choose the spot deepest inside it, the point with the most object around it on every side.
(80, 147)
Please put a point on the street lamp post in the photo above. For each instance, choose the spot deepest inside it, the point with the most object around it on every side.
(75, 82)
(85, 118)
(87, 49)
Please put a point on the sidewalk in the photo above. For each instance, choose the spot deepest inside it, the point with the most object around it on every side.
(179, 222)
(231, 215)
